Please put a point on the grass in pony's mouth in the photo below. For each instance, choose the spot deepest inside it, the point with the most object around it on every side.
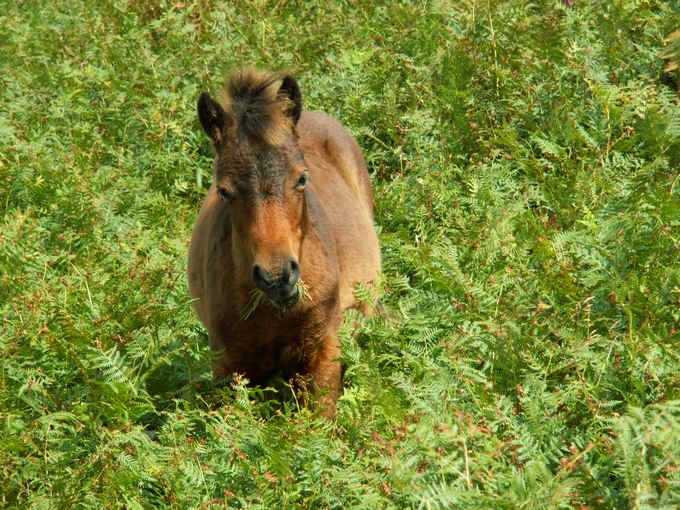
(257, 296)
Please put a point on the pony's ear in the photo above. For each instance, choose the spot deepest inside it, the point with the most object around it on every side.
(213, 118)
(289, 88)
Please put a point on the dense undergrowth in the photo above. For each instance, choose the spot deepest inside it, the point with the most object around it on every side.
(525, 167)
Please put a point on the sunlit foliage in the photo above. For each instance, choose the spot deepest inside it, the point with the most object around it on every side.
(525, 160)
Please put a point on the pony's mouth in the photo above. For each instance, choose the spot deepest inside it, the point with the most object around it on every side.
(278, 300)
(285, 304)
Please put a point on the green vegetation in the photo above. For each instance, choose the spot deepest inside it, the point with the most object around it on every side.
(525, 166)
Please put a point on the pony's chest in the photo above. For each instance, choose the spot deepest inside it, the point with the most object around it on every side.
(282, 340)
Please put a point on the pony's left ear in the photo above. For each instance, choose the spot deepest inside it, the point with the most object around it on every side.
(290, 89)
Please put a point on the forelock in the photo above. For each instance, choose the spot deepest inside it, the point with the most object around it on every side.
(251, 99)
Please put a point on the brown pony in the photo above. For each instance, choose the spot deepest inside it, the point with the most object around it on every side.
(289, 217)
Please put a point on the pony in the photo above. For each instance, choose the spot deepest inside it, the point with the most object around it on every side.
(283, 236)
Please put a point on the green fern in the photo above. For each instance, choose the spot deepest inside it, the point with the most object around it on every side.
(523, 163)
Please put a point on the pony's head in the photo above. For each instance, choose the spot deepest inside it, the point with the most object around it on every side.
(260, 175)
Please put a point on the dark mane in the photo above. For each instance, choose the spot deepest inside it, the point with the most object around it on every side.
(257, 109)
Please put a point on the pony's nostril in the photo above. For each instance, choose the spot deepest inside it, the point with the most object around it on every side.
(294, 269)
(261, 278)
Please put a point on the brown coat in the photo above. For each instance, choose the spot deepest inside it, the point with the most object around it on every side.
(325, 226)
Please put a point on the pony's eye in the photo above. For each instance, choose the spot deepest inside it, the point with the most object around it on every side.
(225, 195)
(302, 180)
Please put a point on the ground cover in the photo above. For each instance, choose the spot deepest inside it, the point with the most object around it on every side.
(524, 159)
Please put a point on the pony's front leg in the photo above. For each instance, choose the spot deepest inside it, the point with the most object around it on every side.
(325, 372)
(221, 368)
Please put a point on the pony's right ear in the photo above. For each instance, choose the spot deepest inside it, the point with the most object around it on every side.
(213, 118)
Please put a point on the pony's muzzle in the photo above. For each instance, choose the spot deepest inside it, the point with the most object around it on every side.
(281, 285)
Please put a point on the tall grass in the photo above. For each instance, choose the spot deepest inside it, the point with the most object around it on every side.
(524, 159)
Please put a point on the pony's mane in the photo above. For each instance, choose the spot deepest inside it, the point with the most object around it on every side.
(258, 111)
